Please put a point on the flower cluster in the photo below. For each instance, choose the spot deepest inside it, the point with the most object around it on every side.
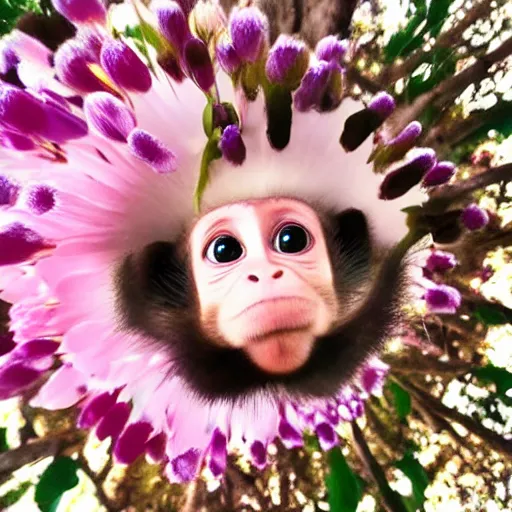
(104, 145)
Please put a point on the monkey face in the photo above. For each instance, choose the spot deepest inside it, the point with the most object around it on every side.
(264, 280)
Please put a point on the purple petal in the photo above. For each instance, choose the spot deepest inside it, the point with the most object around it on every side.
(173, 24)
(152, 151)
(232, 145)
(155, 447)
(473, 217)
(373, 376)
(19, 244)
(96, 409)
(82, 11)
(440, 261)
(402, 179)
(287, 61)
(36, 349)
(16, 376)
(72, 66)
(8, 191)
(330, 48)
(109, 115)
(132, 442)
(443, 299)
(112, 424)
(183, 468)
(21, 111)
(327, 436)
(218, 453)
(227, 57)
(248, 29)
(312, 87)
(289, 435)
(63, 125)
(40, 199)
(199, 64)
(124, 66)
(16, 141)
(8, 59)
(441, 173)
(258, 454)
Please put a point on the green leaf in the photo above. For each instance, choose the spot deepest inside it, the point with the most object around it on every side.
(211, 152)
(415, 472)
(4, 445)
(406, 40)
(208, 118)
(11, 10)
(437, 14)
(501, 378)
(489, 314)
(14, 495)
(59, 477)
(343, 486)
(401, 400)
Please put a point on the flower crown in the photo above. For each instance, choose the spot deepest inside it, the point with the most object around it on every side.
(117, 141)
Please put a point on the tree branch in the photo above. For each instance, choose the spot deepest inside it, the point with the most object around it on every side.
(448, 39)
(39, 449)
(491, 438)
(441, 200)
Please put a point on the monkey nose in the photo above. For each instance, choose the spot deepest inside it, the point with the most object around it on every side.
(275, 275)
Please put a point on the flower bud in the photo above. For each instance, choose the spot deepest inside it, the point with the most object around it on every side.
(287, 62)
(124, 66)
(330, 48)
(19, 244)
(443, 299)
(473, 217)
(82, 11)
(173, 24)
(227, 57)
(199, 63)
(232, 145)
(149, 149)
(248, 29)
(440, 261)
(439, 174)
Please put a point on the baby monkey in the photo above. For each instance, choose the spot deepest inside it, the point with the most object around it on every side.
(267, 295)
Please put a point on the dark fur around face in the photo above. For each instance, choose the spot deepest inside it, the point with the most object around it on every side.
(156, 297)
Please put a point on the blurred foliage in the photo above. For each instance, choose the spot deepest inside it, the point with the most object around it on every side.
(11, 10)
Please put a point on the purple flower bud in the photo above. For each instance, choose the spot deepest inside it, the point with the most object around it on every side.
(16, 141)
(36, 349)
(82, 11)
(124, 66)
(218, 453)
(183, 468)
(40, 199)
(132, 442)
(227, 57)
(440, 261)
(152, 151)
(408, 136)
(199, 64)
(187, 5)
(96, 409)
(62, 125)
(402, 179)
(258, 454)
(383, 105)
(373, 376)
(21, 111)
(72, 66)
(330, 48)
(173, 24)
(473, 217)
(19, 244)
(439, 174)
(155, 447)
(14, 377)
(232, 145)
(442, 299)
(287, 62)
(248, 28)
(112, 424)
(313, 87)
(109, 115)
(8, 191)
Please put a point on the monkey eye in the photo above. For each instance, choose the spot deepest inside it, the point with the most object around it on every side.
(291, 239)
(224, 249)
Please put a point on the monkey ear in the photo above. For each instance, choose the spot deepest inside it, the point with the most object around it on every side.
(351, 241)
(155, 280)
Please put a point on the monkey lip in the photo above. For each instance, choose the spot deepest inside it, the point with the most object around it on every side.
(276, 315)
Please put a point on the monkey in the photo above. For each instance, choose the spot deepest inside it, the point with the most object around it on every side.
(268, 295)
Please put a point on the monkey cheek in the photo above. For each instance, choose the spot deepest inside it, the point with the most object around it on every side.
(281, 353)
